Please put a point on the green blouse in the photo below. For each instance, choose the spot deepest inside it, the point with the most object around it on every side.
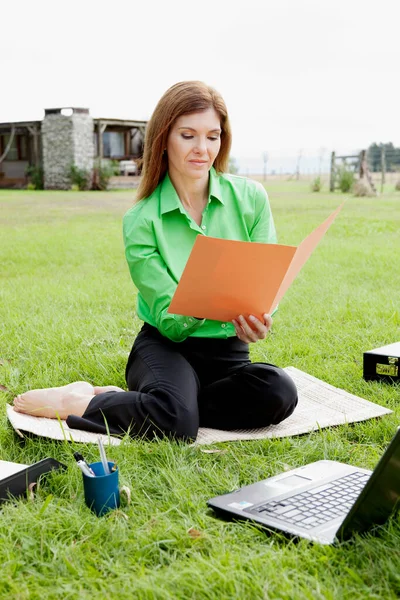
(159, 235)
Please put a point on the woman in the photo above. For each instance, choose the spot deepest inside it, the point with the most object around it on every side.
(183, 372)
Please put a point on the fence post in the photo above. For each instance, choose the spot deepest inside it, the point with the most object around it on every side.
(332, 176)
(298, 164)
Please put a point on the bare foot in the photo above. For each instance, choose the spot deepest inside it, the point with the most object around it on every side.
(57, 402)
(106, 388)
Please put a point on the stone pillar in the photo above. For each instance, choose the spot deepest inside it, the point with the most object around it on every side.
(83, 138)
(67, 141)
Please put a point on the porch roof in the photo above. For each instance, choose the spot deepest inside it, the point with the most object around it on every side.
(120, 123)
(20, 126)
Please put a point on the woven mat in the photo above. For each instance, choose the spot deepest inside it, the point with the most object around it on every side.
(320, 405)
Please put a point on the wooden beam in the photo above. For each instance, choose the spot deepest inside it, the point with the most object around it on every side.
(18, 130)
(36, 156)
(34, 131)
(20, 124)
(121, 123)
(127, 139)
(100, 132)
(29, 150)
(349, 156)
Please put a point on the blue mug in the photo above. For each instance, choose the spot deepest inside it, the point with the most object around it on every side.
(101, 491)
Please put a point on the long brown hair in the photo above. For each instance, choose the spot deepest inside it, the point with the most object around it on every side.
(181, 99)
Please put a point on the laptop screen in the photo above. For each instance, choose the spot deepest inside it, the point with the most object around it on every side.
(380, 496)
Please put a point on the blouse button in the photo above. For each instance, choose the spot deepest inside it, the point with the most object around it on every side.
(223, 325)
(185, 324)
(203, 227)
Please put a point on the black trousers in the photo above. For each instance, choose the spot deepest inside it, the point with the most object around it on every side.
(177, 387)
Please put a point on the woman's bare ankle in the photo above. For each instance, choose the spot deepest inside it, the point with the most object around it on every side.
(74, 403)
(106, 388)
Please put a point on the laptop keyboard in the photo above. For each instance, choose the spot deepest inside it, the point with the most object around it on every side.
(318, 505)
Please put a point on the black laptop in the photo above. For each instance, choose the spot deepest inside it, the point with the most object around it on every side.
(324, 501)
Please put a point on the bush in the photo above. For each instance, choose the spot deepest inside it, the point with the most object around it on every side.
(316, 184)
(346, 179)
(102, 173)
(79, 177)
(36, 177)
(397, 186)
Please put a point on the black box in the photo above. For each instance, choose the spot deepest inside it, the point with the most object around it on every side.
(383, 363)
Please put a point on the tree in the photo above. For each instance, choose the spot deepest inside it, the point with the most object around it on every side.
(392, 156)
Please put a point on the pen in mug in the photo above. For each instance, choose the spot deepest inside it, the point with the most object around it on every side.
(103, 456)
(82, 464)
(84, 468)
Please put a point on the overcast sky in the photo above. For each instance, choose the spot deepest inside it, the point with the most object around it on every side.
(295, 74)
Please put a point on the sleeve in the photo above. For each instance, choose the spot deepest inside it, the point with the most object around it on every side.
(152, 278)
(263, 229)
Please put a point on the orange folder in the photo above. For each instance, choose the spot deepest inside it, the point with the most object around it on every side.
(224, 278)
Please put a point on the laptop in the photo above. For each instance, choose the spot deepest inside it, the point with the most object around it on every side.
(325, 501)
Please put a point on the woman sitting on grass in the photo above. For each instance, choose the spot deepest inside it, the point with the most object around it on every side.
(183, 372)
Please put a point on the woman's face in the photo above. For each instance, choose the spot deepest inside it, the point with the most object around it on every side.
(193, 144)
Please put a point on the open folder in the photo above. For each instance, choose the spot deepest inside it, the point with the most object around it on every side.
(224, 278)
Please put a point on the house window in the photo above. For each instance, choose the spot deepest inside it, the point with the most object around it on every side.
(113, 144)
(13, 151)
(22, 147)
(19, 147)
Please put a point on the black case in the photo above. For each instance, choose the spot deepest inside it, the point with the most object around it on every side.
(17, 484)
(383, 363)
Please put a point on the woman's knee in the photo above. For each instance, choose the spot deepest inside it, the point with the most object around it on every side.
(172, 417)
(284, 393)
(186, 426)
(277, 391)
(167, 388)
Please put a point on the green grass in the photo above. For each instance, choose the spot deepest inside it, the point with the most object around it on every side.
(67, 312)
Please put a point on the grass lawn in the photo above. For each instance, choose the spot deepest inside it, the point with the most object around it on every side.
(67, 312)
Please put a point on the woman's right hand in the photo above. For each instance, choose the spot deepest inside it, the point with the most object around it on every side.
(252, 330)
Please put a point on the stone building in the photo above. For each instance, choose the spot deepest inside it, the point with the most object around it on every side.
(65, 137)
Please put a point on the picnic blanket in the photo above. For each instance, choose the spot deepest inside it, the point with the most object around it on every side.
(320, 405)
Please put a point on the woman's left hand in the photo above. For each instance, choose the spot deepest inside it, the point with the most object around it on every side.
(252, 329)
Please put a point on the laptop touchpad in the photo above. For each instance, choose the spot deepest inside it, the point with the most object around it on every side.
(291, 481)
(294, 480)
